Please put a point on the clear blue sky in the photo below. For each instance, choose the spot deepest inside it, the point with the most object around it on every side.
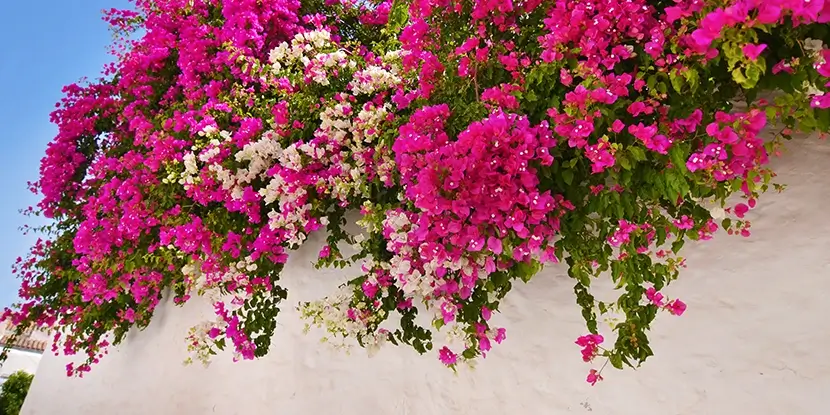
(47, 44)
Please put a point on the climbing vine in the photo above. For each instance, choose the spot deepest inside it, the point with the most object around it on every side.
(479, 140)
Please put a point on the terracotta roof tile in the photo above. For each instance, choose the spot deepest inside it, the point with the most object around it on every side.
(24, 343)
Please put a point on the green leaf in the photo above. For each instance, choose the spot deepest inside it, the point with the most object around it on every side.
(624, 162)
(733, 54)
(678, 156)
(616, 361)
(753, 73)
(677, 245)
(438, 323)
(692, 78)
(526, 270)
(771, 112)
(637, 153)
(738, 76)
(651, 81)
(398, 16)
(822, 118)
(726, 223)
(677, 81)
(568, 176)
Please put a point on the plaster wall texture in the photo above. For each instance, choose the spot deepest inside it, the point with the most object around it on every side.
(27, 352)
(24, 360)
(753, 341)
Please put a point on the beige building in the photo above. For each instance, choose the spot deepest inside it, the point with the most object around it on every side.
(25, 352)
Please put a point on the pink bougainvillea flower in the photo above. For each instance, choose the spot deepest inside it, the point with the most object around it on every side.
(448, 311)
(500, 335)
(494, 245)
(685, 222)
(677, 307)
(325, 252)
(369, 289)
(600, 156)
(820, 101)
(654, 296)
(741, 209)
(782, 66)
(590, 345)
(214, 332)
(768, 12)
(752, 51)
(674, 13)
(485, 313)
(593, 377)
(447, 357)
(484, 344)
(710, 28)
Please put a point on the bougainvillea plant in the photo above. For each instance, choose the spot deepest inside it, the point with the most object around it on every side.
(479, 140)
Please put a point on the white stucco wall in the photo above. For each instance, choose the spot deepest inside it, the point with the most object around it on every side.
(18, 358)
(24, 360)
(753, 341)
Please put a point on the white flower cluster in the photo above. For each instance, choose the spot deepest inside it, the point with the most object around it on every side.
(341, 321)
(318, 67)
(291, 221)
(204, 150)
(812, 89)
(417, 284)
(399, 223)
(190, 174)
(335, 122)
(260, 156)
(199, 343)
(191, 169)
(276, 188)
(366, 126)
(291, 215)
(374, 78)
(337, 125)
(341, 125)
(313, 50)
(813, 46)
(394, 57)
(211, 285)
(414, 282)
(301, 45)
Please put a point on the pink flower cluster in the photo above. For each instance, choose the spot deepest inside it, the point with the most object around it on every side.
(596, 29)
(590, 345)
(675, 307)
(823, 68)
(480, 190)
(737, 148)
(741, 12)
(622, 234)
